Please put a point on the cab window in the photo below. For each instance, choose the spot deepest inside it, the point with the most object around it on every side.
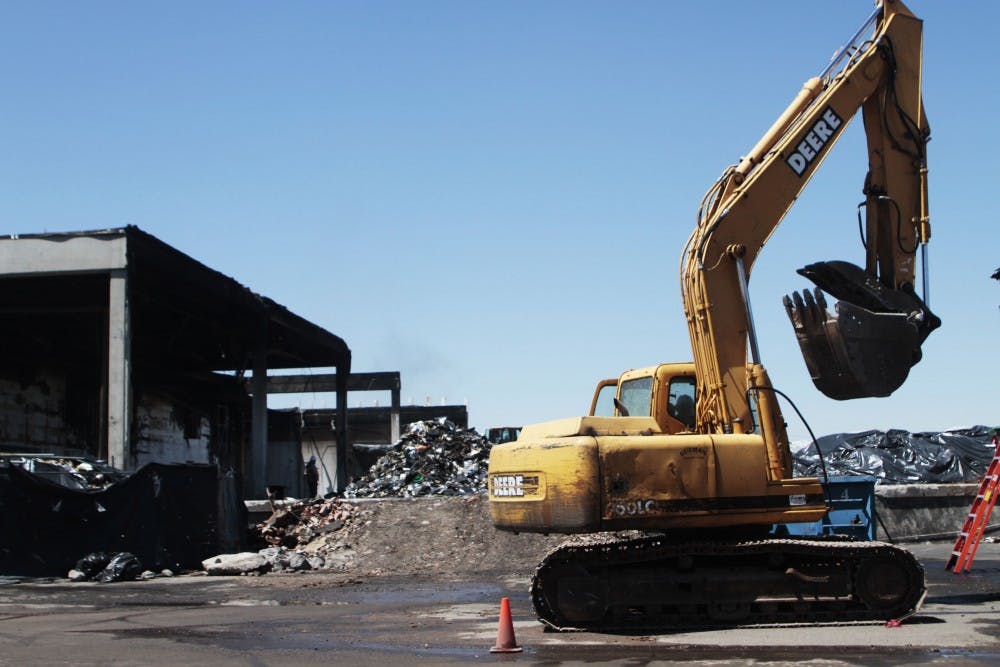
(636, 395)
(680, 404)
(604, 406)
(754, 415)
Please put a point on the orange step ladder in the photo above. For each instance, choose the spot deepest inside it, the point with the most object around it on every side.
(979, 517)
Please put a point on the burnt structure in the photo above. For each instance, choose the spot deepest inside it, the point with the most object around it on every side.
(118, 346)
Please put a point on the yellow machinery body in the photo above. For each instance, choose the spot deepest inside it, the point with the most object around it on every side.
(593, 474)
(646, 471)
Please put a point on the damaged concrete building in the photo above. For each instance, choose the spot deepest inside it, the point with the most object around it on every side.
(119, 347)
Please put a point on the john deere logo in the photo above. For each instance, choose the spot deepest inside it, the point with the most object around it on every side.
(814, 142)
(513, 486)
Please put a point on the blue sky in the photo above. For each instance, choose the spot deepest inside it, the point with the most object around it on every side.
(492, 197)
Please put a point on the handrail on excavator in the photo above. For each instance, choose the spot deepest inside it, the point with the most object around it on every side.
(838, 56)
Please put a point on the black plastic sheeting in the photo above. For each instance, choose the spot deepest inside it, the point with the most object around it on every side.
(165, 514)
(900, 457)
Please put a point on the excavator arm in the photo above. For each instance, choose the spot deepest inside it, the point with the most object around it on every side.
(869, 345)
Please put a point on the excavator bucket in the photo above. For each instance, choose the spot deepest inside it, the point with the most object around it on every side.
(869, 346)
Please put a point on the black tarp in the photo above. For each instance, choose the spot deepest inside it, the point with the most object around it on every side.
(900, 457)
(165, 514)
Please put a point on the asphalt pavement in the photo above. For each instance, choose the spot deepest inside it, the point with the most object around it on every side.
(298, 619)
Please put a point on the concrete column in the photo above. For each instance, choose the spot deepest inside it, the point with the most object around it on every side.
(394, 415)
(343, 374)
(119, 390)
(258, 429)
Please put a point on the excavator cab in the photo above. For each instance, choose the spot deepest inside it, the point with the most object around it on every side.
(867, 348)
(665, 392)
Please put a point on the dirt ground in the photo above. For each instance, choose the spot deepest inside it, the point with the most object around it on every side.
(439, 537)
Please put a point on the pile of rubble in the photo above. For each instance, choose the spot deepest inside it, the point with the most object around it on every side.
(302, 535)
(433, 458)
(294, 525)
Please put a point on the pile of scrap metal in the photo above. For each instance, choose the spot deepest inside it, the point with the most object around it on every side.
(433, 458)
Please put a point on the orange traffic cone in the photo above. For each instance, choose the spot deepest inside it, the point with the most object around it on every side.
(505, 632)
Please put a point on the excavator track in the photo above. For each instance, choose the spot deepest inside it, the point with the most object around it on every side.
(604, 582)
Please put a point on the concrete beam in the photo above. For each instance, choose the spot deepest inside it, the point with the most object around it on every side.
(327, 382)
(333, 382)
(61, 255)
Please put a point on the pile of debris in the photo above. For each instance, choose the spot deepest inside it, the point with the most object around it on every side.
(301, 534)
(296, 524)
(433, 458)
(79, 473)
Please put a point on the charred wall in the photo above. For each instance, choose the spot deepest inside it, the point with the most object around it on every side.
(51, 333)
(36, 415)
(192, 417)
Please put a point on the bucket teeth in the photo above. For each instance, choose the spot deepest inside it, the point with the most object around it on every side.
(806, 310)
(855, 353)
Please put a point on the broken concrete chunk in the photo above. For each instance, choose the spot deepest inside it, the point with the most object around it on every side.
(282, 559)
(233, 564)
(297, 562)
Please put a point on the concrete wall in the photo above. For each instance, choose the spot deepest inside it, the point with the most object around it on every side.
(917, 512)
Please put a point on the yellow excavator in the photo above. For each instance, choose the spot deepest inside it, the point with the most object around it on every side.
(674, 495)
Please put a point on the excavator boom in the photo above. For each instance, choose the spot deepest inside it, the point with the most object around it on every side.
(868, 347)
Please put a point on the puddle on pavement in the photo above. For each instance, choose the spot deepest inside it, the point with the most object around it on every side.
(463, 612)
(455, 593)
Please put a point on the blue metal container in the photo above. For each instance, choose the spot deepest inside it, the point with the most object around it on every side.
(852, 510)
